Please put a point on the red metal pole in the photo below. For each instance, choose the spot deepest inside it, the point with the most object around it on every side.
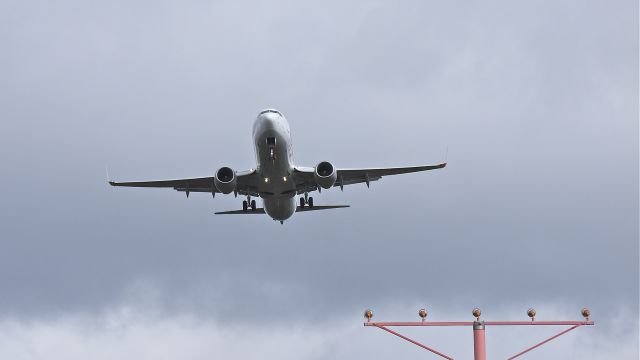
(415, 342)
(469, 323)
(543, 342)
(479, 344)
(479, 340)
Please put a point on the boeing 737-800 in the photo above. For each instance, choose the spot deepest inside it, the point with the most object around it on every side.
(276, 179)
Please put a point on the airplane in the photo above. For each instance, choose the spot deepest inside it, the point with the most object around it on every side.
(276, 179)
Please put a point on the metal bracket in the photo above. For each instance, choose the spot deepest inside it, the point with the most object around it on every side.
(414, 342)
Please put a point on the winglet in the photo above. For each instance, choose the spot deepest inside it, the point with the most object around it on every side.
(446, 155)
(112, 183)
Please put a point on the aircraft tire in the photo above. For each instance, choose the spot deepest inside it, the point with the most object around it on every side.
(253, 205)
(301, 202)
(310, 202)
(244, 205)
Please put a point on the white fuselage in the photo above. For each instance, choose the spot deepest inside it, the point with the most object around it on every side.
(274, 166)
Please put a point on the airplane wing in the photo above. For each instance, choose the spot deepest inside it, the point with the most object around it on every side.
(357, 176)
(246, 184)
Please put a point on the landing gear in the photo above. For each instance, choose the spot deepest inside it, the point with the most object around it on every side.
(307, 200)
(271, 143)
(246, 204)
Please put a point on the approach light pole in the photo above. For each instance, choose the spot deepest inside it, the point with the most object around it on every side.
(479, 343)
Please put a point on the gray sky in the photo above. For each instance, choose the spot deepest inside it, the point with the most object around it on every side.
(536, 101)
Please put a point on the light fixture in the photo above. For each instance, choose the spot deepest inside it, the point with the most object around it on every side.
(284, 178)
(266, 179)
(368, 314)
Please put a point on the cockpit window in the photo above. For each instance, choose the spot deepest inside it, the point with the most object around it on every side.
(270, 111)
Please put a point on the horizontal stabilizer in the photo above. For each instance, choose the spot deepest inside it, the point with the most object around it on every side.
(241, 212)
(299, 209)
(320, 207)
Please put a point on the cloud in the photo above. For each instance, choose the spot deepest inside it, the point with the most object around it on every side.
(537, 102)
(132, 333)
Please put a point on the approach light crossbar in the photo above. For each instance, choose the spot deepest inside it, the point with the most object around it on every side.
(479, 343)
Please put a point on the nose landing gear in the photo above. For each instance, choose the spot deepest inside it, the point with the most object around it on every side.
(271, 143)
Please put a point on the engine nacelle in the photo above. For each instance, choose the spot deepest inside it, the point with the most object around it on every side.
(225, 180)
(325, 175)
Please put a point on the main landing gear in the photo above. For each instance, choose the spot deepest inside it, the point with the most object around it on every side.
(246, 204)
(306, 200)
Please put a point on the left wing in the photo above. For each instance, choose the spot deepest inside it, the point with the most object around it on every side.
(357, 176)
(246, 184)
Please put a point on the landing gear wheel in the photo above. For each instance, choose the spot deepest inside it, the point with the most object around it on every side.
(244, 205)
(310, 201)
(301, 202)
(253, 205)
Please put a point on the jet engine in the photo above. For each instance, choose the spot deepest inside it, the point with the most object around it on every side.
(325, 175)
(225, 180)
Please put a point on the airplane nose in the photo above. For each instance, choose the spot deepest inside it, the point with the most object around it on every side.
(270, 114)
(268, 121)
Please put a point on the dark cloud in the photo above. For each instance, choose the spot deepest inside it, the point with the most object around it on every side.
(537, 104)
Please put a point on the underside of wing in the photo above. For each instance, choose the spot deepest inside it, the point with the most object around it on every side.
(194, 183)
(379, 172)
(245, 184)
(357, 176)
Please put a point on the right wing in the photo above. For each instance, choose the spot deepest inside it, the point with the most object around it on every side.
(246, 184)
(357, 176)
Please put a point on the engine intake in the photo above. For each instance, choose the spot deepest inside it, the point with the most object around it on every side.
(225, 180)
(325, 175)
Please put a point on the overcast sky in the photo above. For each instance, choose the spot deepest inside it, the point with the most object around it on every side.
(536, 101)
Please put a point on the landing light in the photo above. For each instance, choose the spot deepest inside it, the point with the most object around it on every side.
(284, 178)
(266, 179)
(368, 314)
